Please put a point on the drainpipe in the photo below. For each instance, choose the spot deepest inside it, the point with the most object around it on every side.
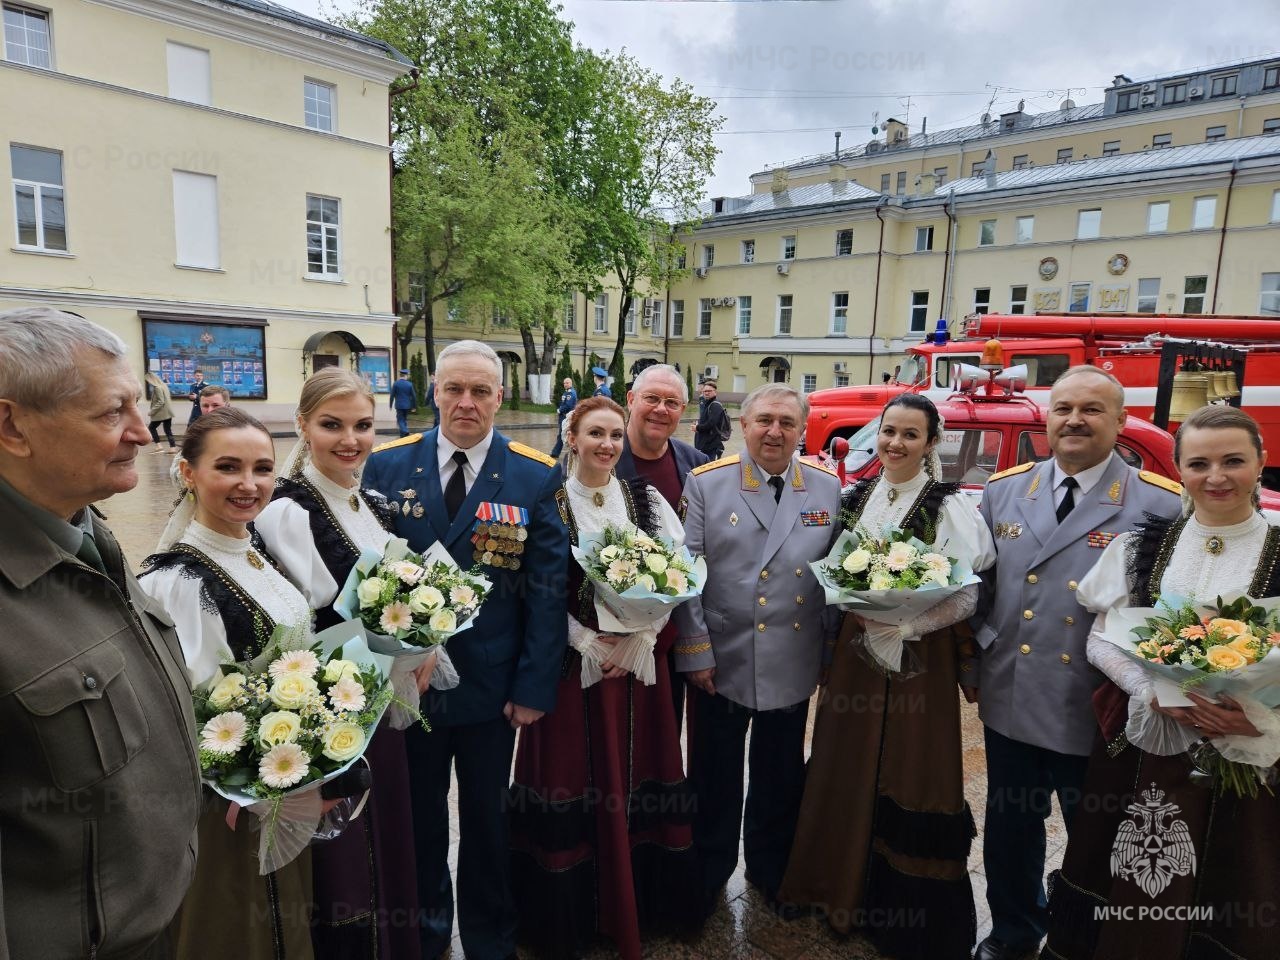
(392, 92)
(949, 261)
(875, 303)
(1222, 236)
(1240, 117)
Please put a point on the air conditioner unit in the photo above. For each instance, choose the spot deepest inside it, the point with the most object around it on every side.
(784, 269)
(841, 366)
(1195, 93)
(645, 321)
(701, 272)
(1147, 100)
(409, 306)
(711, 372)
(1148, 88)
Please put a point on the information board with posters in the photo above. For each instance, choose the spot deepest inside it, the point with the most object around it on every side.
(229, 355)
(375, 367)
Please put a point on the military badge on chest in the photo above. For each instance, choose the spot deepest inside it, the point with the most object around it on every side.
(498, 535)
(1007, 530)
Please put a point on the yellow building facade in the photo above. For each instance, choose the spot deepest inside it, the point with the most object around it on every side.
(208, 180)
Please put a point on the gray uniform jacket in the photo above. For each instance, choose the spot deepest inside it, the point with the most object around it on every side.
(1036, 682)
(761, 620)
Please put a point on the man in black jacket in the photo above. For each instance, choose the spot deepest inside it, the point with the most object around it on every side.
(708, 433)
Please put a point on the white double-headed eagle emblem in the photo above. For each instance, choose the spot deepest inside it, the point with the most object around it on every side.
(1152, 848)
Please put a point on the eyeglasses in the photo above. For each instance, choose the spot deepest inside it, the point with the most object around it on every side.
(670, 403)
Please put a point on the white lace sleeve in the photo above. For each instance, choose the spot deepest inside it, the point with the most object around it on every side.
(953, 609)
(1146, 728)
(633, 652)
(963, 534)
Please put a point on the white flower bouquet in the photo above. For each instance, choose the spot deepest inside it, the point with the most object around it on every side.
(889, 580)
(411, 604)
(273, 731)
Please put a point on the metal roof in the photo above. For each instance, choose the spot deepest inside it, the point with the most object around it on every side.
(277, 12)
(808, 195)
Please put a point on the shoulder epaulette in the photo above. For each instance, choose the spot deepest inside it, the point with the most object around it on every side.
(722, 462)
(1012, 471)
(818, 466)
(1158, 480)
(402, 442)
(531, 453)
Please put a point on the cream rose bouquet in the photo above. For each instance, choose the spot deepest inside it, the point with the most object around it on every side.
(638, 579)
(272, 732)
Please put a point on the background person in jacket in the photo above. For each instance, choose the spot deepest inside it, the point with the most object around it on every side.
(568, 400)
(160, 413)
(101, 779)
(707, 435)
(404, 400)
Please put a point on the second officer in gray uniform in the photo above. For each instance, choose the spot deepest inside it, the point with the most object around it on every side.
(1050, 522)
(753, 643)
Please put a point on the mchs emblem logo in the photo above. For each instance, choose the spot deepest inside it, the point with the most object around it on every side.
(1153, 848)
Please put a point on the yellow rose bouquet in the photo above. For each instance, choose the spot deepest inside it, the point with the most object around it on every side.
(273, 732)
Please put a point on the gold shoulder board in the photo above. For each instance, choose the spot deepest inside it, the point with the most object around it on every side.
(402, 442)
(1158, 480)
(722, 462)
(1011, 472)
(531, 453)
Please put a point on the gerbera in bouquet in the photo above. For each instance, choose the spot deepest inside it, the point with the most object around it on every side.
(274, 730)
(410, 604)
(889, 579)
(1219, 649)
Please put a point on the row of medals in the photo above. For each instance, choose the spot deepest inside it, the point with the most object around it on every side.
(499, 544)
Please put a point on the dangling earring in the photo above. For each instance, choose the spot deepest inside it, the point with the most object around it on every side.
(1257, 494)
(1187, 505)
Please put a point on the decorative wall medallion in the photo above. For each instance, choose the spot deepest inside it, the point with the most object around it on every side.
(1118, 264)
(1049, 268)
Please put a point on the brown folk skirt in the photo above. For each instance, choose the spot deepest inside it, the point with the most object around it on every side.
(884, 827)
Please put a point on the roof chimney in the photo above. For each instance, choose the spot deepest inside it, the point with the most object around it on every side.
(779, 184)
(895, 131)
(989, 168)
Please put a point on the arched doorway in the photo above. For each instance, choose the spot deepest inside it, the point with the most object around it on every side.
(776, 369)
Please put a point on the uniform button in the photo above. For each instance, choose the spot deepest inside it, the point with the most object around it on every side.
(1025, 648)
(1066, 658)
(800, 601)
(799, 572)
(760, 627)
(1070, 621)
(796, 626)
(90, 683)
(1027, 614)
(1071, 584)
(762, 601)
(764, 574)
(1032, 578)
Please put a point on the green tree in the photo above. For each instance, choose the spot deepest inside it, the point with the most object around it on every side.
(617, 370)
(418, 378)
(688, 379)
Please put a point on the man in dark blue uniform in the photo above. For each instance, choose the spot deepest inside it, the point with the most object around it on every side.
(568, 401)
(404, 399)
(601, 376)
(491, 502)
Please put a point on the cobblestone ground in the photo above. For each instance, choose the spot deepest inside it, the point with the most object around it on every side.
(743, 928)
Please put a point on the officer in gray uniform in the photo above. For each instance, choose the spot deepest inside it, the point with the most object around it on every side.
(753, 643)
(1050, 522)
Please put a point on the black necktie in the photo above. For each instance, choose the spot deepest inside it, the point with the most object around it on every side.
(1068, 499)
(455, 490)
(776, 483)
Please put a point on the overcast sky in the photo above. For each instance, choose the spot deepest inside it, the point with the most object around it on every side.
(789, 73)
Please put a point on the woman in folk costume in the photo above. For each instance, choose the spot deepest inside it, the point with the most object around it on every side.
(601, 834)
(1205, 862)
(884, 827)
(316, 526)
(225, 596)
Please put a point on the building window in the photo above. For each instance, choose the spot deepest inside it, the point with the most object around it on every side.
(1174, 93)
(1275, 206)
(1110, 148)
(1161, 140)
(1214, 134)
(1079, 299)
(1158, 217)
(1269, 306)
(708, 255)
(1018, 299)
(195, 220)
(842, 380)
(417, 291)
(322, 237)
(1024, 229)
(748, 251)
(986, 233)
(26, 36)
(1193, 291)
(1271, 126)
(884, 183)
(975, 170)
(784, 314)
(919, 311)
(569, 319)
(844, 243)
(901, 187)
(38, 197)
(629, 323)
(500, 318)
(704, 317)
(810, 381)
(1088, 224)
(677, 318)
(1271, 77)
(982, 300)
(682, 258)
(188, 73)
(453, 310)
(744, 316)
(1020, 161)
(657, 318)
(939, 176)
(840, 314)
(1148, 294)
(1126, 100)
(1202, 212)
(924, 239)
(788, 248)
(1065, 154)
(317, 105)
(601, 313)
(1224, 86)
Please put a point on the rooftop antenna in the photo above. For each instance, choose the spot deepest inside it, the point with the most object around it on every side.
(837, 144)
(875, 122)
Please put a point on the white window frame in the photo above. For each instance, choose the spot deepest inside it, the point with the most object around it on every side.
(1204, 210)
(1275, 207)
(842, 380)
(808, 383)
(981, 305)
(1024, 229)
(786, 308)
(1082, 220)
(1158, 217)
(1148, 302)
(986, 233)
(196, 239)
(600, 313)
(308, 84)
(839, 314)
(704, 318)
(1065, 154)
(325, 230)
(1269, 296)
(42, 57)
(629, 324)
(939, 176)
(789, 247)
(1020, 162)
(922, 308)
(1161, 141)
(1017, 306)
(1187, 296)
(900, 185)
(1087, 287)
(748, 251)
(1215, 133)
(744, 316)
(190, 73)
(925, 234)
(1230, 83)
(677, 319)
(658, 318)
(1110, 148)
(708, 255)
(886, 182)
(41, 194)
(847, 232)
(569, 318)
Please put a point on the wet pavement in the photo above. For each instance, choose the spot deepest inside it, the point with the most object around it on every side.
(743, 927)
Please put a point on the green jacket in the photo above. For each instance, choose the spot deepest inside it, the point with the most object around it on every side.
(99, 775)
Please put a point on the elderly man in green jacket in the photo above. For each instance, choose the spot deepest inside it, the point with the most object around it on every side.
(99, 775)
